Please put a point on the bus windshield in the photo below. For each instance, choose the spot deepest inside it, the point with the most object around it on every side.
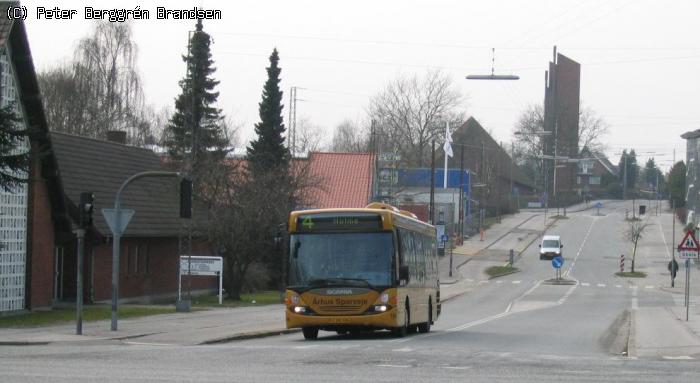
(348, 259)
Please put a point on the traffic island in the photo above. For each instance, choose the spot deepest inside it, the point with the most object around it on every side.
(499, 271)
(559, 281)
(629, 274)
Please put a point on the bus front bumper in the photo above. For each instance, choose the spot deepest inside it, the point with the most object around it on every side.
(380, 320)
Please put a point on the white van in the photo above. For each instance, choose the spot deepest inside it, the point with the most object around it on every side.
(550, 247)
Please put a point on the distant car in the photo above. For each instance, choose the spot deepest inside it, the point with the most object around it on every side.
(550, 247)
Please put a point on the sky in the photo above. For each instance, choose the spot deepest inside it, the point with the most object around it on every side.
(639, 58)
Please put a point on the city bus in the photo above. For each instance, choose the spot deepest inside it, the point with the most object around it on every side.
(352, 270)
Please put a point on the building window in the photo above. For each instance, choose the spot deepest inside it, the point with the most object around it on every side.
(594, 180)
(578, 180)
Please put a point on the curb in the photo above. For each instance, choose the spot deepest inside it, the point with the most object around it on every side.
(24, 343)
(503, 275)
(250, 335)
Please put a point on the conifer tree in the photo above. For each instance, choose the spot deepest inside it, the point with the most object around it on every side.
(13, 162)
(195, 131)
(267, 151)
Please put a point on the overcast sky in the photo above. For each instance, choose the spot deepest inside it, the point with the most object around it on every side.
(639, 59)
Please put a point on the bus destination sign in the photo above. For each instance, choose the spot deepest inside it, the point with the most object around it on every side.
(336, 223)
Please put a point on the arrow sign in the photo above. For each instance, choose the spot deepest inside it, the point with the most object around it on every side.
(557, 262)
(111, 218)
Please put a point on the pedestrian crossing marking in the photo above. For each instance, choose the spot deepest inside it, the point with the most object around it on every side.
(601, 284)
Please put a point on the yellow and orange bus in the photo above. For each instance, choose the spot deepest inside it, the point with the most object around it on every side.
(361, 269)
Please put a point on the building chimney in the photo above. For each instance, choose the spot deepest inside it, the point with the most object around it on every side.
(116, 136)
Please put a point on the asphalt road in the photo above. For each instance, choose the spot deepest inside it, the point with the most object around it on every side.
(514, 328)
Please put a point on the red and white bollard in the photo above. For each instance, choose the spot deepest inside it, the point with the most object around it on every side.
(622, 263)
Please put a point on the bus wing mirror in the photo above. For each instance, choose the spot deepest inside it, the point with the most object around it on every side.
(403, 273)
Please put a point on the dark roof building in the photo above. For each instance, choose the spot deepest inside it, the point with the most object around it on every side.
(87, 164)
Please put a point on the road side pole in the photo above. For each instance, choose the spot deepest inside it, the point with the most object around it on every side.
(79, 288)
(687, 288)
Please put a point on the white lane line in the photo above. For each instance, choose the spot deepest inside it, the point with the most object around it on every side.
(635, 301)
(483, 282)
(634, 287)
(394, 365)
(457, 367)
(668, 255)
(649, 287)
(568, 293)
(618, 286)
(405, 349)
(586, 284)
(571, 267)
(680, 357)
(516, 282)
(148, 344)
(499, 282)
(601, 284)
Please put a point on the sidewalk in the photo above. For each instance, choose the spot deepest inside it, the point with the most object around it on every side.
(662, 331)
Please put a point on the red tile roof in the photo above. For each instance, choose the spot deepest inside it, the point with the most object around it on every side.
(346, 179)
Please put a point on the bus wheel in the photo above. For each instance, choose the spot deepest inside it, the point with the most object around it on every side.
(425, 327)
(401, 331)
(310, 333)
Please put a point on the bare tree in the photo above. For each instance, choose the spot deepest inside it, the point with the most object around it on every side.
(100, 90)
(349, 137)
(635, 231)
(412, 111)
(245, 213)
(591, 130)
(308, 136)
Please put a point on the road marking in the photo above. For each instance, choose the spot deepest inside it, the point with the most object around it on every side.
(585, 284)
(499, 282)
(405, 349)
(394, 365)
(618, 286)
(634, 287)
(601, 284)
(648, 287)
(680, 357)
(635, 301)
(457, 367)
(516, 282)
(571, 267)
(483, 282)
(148, 344)
(665, 243)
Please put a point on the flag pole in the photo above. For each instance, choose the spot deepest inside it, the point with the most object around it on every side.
(447, 142)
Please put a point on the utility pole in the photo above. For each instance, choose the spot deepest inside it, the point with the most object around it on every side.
(482, 177)
(461, 194)
(510, 194)
(432, 184)
(85, 221)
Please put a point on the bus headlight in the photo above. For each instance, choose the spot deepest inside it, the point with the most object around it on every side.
(380, 308)
(300, 309)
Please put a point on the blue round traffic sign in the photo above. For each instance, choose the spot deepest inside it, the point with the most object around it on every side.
(557, 262)
(444, 238)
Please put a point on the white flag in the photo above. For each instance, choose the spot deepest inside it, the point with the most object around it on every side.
(448, 141)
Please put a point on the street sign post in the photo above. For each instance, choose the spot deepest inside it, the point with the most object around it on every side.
(688, 249)
(557, 263)
(201, 265)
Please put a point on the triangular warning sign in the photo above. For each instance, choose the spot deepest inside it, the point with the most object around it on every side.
(689, 242)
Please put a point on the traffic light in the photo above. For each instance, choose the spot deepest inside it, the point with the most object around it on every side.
(86, 208)
(185, 198)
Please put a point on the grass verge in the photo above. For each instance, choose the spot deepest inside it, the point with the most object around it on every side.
(90, 313)
(499, 271)
(247, 300)
(629, 274)
(559, 217)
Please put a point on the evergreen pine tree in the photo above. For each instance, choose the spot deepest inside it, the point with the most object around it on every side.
(13, 163)
(197, 123)
(267, 151)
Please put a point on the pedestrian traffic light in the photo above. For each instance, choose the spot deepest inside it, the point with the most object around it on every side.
(185, 198)
(86, 208)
